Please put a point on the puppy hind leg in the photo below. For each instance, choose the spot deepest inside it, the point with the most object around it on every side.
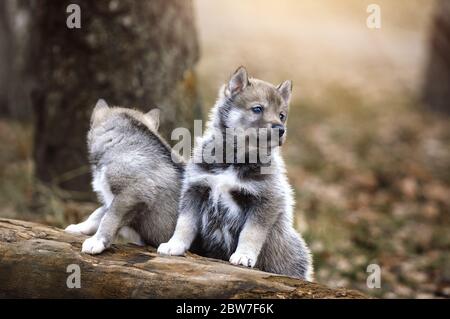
(90, 225)
(109, 225)
(131, 236)
(286, 253)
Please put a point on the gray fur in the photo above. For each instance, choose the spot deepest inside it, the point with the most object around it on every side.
(133, 173)
(231, 210)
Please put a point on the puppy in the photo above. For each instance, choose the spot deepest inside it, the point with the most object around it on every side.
(233, 208)
(135, 177)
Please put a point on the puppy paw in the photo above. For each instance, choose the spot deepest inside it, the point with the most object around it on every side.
(74, 229)
(83, 228)
(93, 246)
(247, 260)
(172, 248)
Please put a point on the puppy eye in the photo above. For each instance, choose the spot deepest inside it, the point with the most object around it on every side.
(282, 116)
(257, 109)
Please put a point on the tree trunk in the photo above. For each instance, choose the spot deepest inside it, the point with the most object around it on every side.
(34, 262)
(14, 80)
(437, 78)
(6, 55)
(131, 53)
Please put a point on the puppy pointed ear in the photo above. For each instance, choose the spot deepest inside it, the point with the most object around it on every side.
(153, 116)
(285, 90)
(100, 109)
(101, 104)
(238, 82)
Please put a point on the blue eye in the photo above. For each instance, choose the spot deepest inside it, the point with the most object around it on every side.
(257, 109)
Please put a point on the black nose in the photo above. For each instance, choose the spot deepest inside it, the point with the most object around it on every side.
(280, 128)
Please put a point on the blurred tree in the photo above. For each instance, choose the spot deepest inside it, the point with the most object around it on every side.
(14, 82)
(5, 57)
(437, 78)
(131, 53)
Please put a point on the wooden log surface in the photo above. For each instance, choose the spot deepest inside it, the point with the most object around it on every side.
(34, 262)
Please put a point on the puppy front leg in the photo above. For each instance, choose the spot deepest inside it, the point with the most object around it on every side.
(186, 228)
(184, 235)
(251, 240)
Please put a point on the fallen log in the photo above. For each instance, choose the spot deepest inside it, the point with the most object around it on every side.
(37, 261)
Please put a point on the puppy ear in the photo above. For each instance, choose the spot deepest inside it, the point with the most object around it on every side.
(101, 104)
(285, 90)
(238, 82)
(100, 109)
(153, 116)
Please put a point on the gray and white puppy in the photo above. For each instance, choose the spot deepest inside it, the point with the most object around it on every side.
(232, 210)
(133, 174)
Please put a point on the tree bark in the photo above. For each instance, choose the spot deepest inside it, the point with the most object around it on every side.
(14, 80)
(131, 53)
(34, 260)
(6, 55)
(436, 93)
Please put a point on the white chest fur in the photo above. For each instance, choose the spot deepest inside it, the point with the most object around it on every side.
(101, 186)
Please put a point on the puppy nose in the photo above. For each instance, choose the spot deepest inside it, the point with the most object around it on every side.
(280, 128)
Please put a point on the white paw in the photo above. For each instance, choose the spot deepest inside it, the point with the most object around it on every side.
(172, 248)
(247, 260)
(74, 229)
(93, 246)
(83, 228)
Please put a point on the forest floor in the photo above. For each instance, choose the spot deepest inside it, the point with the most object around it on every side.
(373, 186)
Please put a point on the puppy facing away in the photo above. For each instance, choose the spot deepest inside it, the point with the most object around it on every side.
(236, 210)
(133, 174)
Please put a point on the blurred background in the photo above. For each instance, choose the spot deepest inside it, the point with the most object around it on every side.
(368, 149)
